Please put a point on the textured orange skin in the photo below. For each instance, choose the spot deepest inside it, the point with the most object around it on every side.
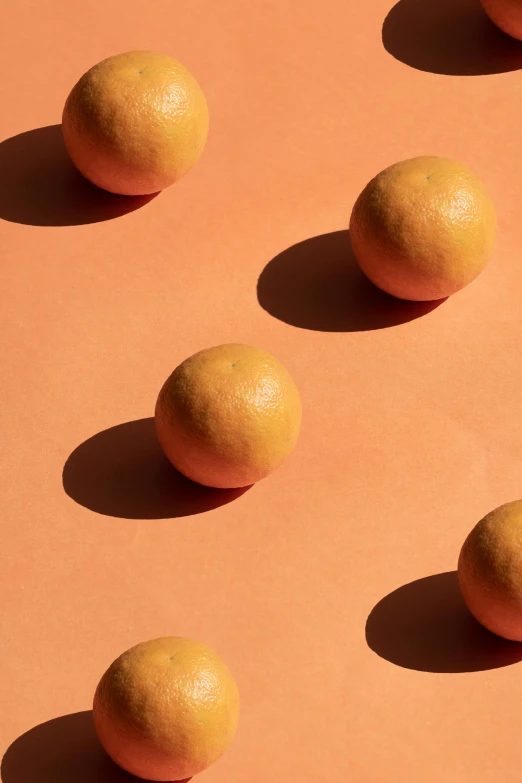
(228, 416)
(423, 228)
(166, 709)
(135, 123)
(490, 571)
(506, 14)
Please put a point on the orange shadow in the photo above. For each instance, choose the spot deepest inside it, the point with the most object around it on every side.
(40, 186)
(318, 285)
(122, 472)
(425, 625)
(63, 750)
(451, 37)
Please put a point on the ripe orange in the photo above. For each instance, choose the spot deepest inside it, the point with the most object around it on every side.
(423, 228)
(506, 14)
(166, 709)
(228, 416)
(490, 571)
(135, 123)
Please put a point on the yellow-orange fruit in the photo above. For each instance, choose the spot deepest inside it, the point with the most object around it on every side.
(490, 571)
(506, 14)
(135, 123)
(228, 416)
(166, 709)
(423, 228)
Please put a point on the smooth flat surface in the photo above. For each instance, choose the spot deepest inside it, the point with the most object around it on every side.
(412, 425)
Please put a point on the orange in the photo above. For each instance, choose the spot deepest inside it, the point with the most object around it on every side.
(423, 228)
(135, 123)
(166, 709)
(490, 571)
(506, 14)
(228, 416)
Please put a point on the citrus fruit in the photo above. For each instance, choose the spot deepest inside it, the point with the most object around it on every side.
(228, 416)
(135, 123)
(490, 571)
(166, 709)
(423, 228)
(506, 14)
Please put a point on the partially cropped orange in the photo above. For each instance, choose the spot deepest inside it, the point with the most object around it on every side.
(135, 123)
(490, 571)
(166, 709)
(228, 416)
(423, 228)
(506, 14)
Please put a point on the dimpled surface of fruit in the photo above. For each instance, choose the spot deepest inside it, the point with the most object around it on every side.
(490, 571)
(423, 228)
(135, 123)
(506, 14)
(166, 709)
(228, 416)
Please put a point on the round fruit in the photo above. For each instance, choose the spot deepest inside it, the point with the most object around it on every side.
(506, 14)
(228, 416)
(166, 709)
(135, 123)
(423, 228)
(490, 571)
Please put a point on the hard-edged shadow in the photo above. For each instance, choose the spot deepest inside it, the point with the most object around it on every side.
(62, 750)
(122, 472)
(451, 37)
(425, 625)
(318, 285)
(39, 185)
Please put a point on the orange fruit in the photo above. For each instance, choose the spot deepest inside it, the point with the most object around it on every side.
(506, 14)
(490, 571)
(166, 709)
(228, 416)
(135, 123)
(423, 228)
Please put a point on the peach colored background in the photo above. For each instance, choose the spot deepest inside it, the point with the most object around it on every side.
(412, 426)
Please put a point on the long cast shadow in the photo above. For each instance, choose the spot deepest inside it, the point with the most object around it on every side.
(122, 472)
(62, 750)
(318, 285)
(451, 37)
(425, 625)
(39, 185)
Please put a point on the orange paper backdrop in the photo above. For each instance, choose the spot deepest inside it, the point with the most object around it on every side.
(412, 428)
